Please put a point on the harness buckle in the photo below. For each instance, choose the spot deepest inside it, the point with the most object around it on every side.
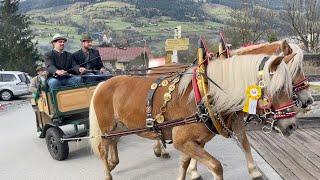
(269, 127)
(150, 122)
(267, 112)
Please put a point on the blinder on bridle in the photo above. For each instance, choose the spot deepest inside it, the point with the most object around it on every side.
(303, 84)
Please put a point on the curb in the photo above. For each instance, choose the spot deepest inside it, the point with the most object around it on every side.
(265, 169)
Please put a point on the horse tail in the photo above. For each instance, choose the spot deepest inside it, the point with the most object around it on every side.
(95, 132)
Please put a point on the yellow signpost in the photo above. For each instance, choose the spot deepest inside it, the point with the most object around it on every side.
(177, 44)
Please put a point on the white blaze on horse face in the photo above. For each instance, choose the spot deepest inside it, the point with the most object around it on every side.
(305, 97)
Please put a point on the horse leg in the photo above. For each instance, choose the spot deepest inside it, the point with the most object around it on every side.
(252, 168)
(184, 163)
(197, 152)
(113, 161)
(104, 152)
(159, 150)
(240, 132)
(193, 171)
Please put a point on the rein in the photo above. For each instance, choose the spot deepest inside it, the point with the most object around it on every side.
(177, 122)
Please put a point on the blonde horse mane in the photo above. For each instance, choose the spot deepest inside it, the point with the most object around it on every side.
(235, 74)
(271, 48)
(296, 63)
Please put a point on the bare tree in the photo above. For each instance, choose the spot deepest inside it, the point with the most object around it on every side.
(250, 23)
(303, 18)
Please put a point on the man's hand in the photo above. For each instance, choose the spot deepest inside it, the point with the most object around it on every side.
(82, 70)
(103, 70)
(61, 72)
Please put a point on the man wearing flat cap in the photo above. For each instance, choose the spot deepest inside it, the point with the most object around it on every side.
(88, 59)
(60, 65)
(38, 80)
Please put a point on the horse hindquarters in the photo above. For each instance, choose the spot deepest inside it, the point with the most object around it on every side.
(191, 143)
(101, 118)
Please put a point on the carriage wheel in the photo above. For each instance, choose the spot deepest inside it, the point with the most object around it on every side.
(59, 151)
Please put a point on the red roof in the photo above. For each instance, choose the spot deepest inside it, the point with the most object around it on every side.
(124, 54)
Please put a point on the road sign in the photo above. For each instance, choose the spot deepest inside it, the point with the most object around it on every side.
(177, 44)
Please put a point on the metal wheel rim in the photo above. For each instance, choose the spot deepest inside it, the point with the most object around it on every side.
(5, 95)
(53, 145)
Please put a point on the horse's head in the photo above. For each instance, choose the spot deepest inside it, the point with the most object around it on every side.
(238, 73)
(301, 94)
(279, 88)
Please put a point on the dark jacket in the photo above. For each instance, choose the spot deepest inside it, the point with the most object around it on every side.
(55, 61)
(94, 58)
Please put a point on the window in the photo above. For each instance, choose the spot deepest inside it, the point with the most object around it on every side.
(7, 77)
(22, 78)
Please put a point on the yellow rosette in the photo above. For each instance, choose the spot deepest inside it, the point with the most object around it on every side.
(253, 93)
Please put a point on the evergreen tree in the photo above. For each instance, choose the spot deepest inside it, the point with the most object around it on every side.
(17, 51)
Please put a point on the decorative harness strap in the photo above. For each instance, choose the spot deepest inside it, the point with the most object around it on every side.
(304, 84)
(149, 119)
(213, 121)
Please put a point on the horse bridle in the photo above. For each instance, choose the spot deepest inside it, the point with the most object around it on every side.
(271, 114)
(303, 84)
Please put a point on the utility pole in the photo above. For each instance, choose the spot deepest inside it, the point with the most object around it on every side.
(144, 53)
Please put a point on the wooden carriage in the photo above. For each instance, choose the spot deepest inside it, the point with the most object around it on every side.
(62, 115)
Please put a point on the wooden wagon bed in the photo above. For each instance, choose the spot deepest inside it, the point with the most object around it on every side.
(295, 157)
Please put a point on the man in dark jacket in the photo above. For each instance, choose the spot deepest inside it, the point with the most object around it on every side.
(88, 59)
(60, 65)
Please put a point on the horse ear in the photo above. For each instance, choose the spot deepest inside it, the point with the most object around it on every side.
(275, 63)
(286, 48)
(289, 57)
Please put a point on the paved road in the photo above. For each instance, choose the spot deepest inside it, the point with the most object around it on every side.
(24, 156)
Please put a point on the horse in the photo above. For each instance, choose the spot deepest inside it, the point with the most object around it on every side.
(302, 95)
(122, 100)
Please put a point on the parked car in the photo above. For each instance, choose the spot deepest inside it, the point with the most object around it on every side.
(13, 84)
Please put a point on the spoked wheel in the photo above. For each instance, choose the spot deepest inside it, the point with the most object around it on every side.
(58, 150)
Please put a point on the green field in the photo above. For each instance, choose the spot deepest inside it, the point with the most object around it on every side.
(218, 11)
(71, 20)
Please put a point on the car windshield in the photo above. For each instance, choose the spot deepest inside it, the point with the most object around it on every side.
(23, 78)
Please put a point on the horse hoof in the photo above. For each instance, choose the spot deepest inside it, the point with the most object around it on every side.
(108, 177)
(256, 175)
(258, 178)
(165, 156)
(197, 178)
(157, 154)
